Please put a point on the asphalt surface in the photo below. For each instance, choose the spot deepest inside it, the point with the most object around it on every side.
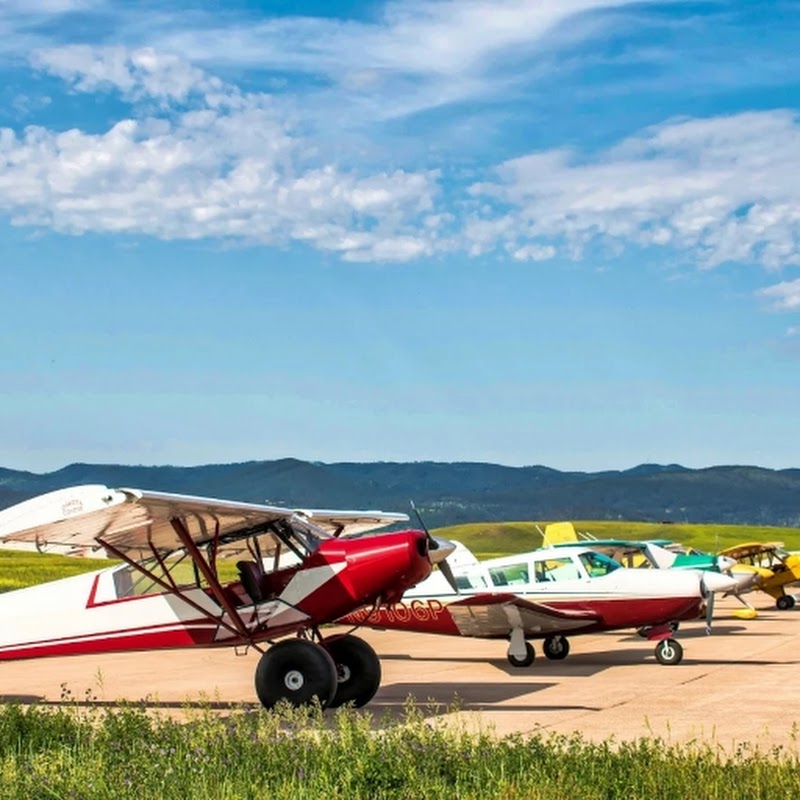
(736, 685)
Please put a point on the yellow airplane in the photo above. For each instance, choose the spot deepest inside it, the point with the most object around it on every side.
(773, 569)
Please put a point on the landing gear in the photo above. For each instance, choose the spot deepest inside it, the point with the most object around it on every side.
(523, 661)
(556, 648)
(296, 670)
(785, 602)
(358, 670)
(668, 651)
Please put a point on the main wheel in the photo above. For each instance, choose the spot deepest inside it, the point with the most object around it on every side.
(358, 670)
(785, 602)
(556, 648)
(668, 651)
(526, 660)
(295, 670)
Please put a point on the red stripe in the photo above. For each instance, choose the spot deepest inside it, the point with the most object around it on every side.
(144, 638)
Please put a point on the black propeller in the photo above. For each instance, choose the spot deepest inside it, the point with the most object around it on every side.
(438, 550)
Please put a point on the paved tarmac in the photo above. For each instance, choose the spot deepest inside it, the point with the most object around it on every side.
(737, 685)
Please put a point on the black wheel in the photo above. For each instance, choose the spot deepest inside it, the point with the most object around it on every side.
(295, 670)
(526, 660)
(556, 648)
(668, 651)
(358, 670)
(785, 602)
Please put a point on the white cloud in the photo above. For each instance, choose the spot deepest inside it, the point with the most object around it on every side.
(199, 157)
(783, 296)
(721, 189)
(138, 73)
(230, 167)
(412, 55)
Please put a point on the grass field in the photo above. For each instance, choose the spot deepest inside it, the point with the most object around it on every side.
(86, 752)
(485, 539)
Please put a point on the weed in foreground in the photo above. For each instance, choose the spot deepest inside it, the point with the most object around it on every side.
(80, 750)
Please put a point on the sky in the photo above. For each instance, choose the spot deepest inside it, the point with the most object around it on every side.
(558, 232)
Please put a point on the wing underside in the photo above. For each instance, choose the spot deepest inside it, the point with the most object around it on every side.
(498, 615)
(138, 523)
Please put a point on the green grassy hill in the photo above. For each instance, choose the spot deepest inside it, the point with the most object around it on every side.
(488, 540)
(485, 539)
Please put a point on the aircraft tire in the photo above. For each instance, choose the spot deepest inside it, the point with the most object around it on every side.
(358, 670)
(295, 670)
(556, 648)
(785, 602)
(669, 652)
(526, 660)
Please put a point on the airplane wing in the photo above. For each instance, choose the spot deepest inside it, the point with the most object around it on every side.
(497, 614)
(82, 520)
(749, 549)
(350, 523)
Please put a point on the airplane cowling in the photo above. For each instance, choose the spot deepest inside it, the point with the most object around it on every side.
(380, 567)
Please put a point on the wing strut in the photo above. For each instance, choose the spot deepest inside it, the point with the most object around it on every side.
(120, 554)
(210, 576)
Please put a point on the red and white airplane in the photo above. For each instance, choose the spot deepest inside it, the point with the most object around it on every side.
(548, 593)
(294, 570)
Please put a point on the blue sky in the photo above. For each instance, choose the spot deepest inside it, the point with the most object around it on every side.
(562, 232)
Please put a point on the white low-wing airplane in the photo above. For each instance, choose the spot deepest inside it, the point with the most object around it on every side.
(546, 594)
(296, 570)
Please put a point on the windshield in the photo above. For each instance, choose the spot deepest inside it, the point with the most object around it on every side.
(597, 565)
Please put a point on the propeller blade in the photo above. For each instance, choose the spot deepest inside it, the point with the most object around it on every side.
(438, 550)
(710, 584)
(448, 574)
(432, 544)
(709, 611)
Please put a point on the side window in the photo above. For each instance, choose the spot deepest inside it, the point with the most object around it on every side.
(475, 581)
(510, 574)
(597, 564)
(556, 569)
(130, 582)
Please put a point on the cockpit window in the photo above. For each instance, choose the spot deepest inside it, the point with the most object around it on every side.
(556, 569)
(597, 565)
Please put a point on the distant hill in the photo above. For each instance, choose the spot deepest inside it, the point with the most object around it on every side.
(459, 492)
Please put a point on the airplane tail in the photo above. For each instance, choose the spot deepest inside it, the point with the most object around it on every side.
(558, 533)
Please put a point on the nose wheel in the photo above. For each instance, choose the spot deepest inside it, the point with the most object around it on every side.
(522, 660)
(669, 652)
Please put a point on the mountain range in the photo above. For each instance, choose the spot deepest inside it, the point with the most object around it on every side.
(452, 493)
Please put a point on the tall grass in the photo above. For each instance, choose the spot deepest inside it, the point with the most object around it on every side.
(73, 751)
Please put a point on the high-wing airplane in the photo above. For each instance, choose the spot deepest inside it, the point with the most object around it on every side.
(176, 585)
(547, 594)
(771, 568)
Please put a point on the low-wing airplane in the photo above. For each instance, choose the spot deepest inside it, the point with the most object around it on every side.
(177, 586)
(656, 553)
(770, 567)
(547, 594)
